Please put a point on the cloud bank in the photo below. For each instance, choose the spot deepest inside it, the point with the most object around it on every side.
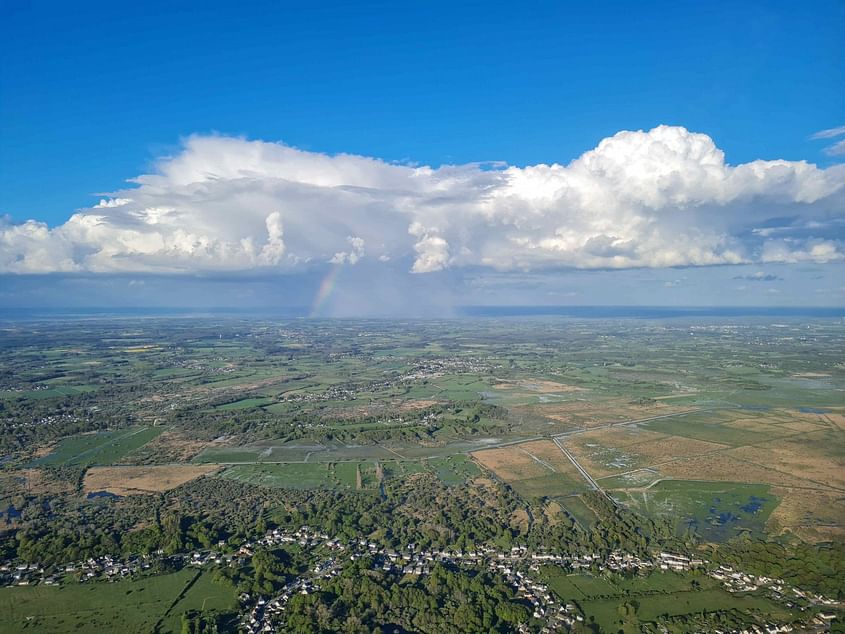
(658, 198)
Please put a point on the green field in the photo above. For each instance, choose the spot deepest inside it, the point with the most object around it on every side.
(317, 475)
(576, 586)
(224, 454)
(605, 612)
(552, 485)
(668, 593)
(101, 448)
(454, 469)
(716, 510)
(284, 476)
(122, 607)
(343, 475)
(581, 512)
(690, 427)
(204, 594)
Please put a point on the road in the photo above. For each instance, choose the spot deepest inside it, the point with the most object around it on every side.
(581, 469)
(633, 422)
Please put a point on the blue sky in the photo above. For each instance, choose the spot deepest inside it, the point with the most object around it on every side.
(93, 94)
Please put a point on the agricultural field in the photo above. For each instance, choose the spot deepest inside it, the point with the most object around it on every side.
(790, 450)
(352, 476)
(659, 593)
(130, 606)
(534, 469)
(169, 447)
(631, 415)
(128, 480)
(288, 476)
(170, 439)
(99, 448)
(451, 470)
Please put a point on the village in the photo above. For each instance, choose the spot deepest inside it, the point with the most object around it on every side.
(520, 567)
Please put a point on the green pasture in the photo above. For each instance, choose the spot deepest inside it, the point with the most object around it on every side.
(123, 606)
(101, 448)
(582, 513)
(659, 593)
(549, 486)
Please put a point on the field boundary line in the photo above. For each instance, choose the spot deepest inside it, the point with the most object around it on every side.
(581, 470)
(178, 598)
(108, 442)
(538, 460)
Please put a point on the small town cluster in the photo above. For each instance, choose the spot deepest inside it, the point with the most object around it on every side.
(520, 566)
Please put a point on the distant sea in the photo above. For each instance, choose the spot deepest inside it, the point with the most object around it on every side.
(577, 312)
(652, 312)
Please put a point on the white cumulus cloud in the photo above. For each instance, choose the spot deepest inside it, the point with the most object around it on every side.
(658, 198)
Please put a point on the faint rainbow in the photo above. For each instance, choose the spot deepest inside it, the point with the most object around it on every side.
(327, 285)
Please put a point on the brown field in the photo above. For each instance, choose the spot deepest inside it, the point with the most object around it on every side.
(600, 460)
(820, 533)
(590, 414)
(536, 417)
(519, 519)
(606, 452)
(673, 447)
(485, 483)
(774, 428)
(815, 456)
(812, 515)
(553, 513)
(724, 468)
(169, 446)
(639, 479)
(541, 386)
(551, 454)
(534, 469)
(803, 426)
(510, 463)
(620, 436)
(46, 450)
(836, 419)
(407, 406)
(141, 480)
